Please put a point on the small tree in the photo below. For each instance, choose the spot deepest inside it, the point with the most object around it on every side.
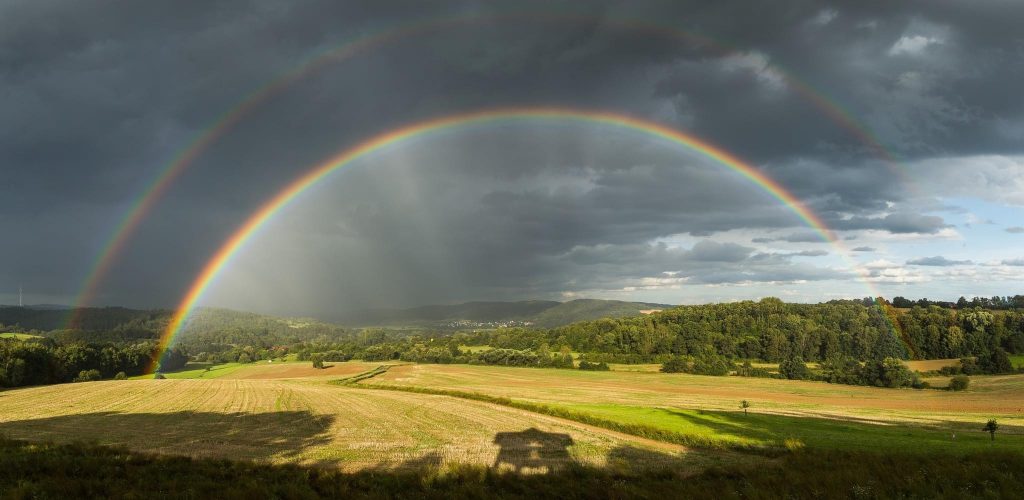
(744, 404)
(794, 369)
(991, 427)
(120, 376)
(318, 361)
(959, 382)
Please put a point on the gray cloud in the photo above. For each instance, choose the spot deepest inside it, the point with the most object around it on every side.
(1015, 230)
(937, 261)
(98, 103)
(862, 249)
(898, 223)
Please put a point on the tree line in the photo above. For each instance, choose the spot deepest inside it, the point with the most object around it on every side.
(47, 361)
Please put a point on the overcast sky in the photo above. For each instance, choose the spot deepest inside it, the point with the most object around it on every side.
(98, 97)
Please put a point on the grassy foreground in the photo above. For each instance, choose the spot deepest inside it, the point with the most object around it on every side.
(89, 471)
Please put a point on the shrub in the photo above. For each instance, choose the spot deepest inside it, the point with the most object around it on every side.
(706, 364)
(959, 382)
(120, 376)
(748, 370)
(969, 366)
(587, 365)
(710, 364)
(88, 376)
(677, 364)
(159, 376)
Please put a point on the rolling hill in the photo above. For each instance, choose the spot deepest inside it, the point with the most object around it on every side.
(542, 313)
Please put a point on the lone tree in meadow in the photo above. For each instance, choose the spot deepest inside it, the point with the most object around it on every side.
(318, 361)
(744, 404)
(991, 427)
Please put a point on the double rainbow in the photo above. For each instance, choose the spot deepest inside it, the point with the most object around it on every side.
(155, 191)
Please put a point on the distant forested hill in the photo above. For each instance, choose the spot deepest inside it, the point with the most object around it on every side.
(543, 313)
(130, 322)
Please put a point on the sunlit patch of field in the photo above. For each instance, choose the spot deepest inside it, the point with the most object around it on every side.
(931, 365)
(300, 369)
(194, 370)
(942, 412)
(311, 422)
(18, 336)
(266, 370)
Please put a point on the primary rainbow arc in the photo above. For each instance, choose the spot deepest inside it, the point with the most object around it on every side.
(252, 225)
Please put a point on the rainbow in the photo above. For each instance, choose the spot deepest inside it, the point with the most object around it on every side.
(251, 226)
(156, 190)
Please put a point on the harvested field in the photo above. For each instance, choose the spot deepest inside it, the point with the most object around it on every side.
(931, 365)
(1000, 397)
(315, 423)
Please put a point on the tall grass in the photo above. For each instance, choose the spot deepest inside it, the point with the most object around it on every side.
(89, 471)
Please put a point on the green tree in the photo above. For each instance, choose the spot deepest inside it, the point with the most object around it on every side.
(794, 368)
(318, 361)
(744, 404)
(991, 427)
(959, 382)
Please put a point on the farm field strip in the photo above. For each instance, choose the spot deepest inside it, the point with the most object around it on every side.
(303, 422)
(999, 397)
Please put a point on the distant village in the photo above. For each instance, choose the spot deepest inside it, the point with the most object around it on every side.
(465, 323)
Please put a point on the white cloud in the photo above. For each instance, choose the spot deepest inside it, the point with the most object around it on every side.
(913, 44)
(758, 64)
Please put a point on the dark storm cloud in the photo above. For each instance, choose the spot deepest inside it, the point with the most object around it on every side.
(98, 97)
(938, 260)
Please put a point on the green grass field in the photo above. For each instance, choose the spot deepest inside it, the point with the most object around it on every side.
(757, 429)
(194, 370)
(19, 336)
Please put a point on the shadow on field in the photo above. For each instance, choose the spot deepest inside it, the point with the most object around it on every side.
(251, 436)
(532, 449)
